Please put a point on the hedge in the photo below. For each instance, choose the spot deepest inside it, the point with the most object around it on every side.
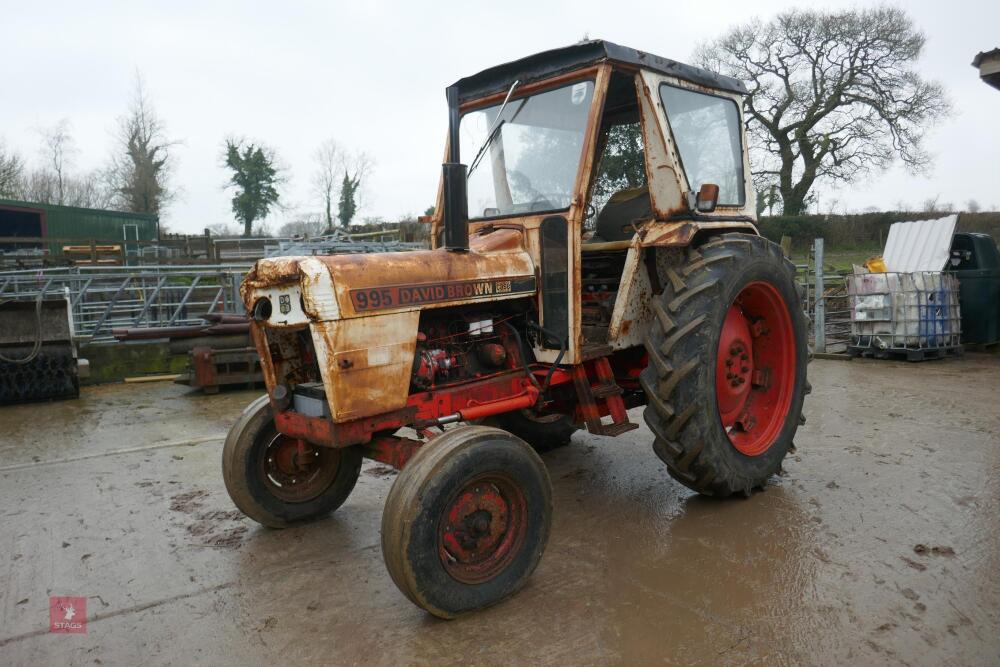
(864, 230)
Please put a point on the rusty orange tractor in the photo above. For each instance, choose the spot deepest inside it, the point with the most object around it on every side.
(594, 251)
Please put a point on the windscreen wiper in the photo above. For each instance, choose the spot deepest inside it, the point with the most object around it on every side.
(494, 131)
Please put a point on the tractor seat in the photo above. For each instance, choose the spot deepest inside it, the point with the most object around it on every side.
(614, 222)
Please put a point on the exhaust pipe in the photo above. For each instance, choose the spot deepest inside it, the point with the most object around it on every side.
(456, 202)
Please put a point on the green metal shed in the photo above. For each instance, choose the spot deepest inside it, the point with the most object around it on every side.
(73, 225)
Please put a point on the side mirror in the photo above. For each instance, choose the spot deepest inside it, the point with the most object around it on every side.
(707, 198)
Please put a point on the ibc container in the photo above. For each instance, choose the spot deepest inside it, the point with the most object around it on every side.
(915, 314)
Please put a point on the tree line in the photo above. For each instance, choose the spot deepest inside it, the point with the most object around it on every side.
(834, 97)
(138, 174)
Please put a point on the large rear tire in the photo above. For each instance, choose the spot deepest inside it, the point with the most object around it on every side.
(276, 482)
(726, 378)
(467, 520)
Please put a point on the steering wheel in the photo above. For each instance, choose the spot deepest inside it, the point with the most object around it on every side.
(541, 202)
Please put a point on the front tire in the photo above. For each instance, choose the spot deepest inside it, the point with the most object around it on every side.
(726, 378)
(467, 520)
(273, 481)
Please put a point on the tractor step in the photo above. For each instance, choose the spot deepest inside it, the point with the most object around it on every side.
(605, 390)
(617, 429)
(599, 396)
(592, 351)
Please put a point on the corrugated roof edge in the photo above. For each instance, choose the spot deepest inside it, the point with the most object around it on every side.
(102, 211)
(556, 61)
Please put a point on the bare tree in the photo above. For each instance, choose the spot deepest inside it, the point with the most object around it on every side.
(89, 190)
(329, 158)
(336, 167)
(833, 95)
(11, 172)
(58, 151)
(309, 224)
(142, 161)
(223, 229)
(972, 206)
(353, 191)
(933, 205)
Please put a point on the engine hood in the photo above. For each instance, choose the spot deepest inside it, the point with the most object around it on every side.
(332, 287)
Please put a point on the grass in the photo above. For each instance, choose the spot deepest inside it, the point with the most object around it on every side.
(838, 260)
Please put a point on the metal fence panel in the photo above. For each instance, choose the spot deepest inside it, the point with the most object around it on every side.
(104, 298)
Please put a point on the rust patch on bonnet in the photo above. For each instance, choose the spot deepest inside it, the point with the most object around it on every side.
(268, 273)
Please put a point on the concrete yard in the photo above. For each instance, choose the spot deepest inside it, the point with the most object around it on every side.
(880, 544)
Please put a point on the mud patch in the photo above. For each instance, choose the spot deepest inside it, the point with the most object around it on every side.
(924, 550)
(188, 502)
(216, 529)
(381, 471)
(213, 528)
(231, 538)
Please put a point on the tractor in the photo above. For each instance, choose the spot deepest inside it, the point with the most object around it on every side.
(593, 250)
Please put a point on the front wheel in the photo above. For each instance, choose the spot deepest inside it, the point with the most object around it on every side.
(726, 378)
(276, 480)
(467, 520)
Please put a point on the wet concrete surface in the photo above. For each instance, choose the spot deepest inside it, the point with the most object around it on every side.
(878, 545)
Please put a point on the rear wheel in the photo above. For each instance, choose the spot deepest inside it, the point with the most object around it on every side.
(467, 520)
(276, 480)
(727, 365)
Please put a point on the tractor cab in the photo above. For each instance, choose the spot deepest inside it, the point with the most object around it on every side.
(570, 126)
(596, 152)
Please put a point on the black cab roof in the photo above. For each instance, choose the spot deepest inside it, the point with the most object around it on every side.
(565, 59)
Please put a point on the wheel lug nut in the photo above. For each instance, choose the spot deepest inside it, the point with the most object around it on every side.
(734, 350)
(744, 369)
(744, 357)
(729, 362)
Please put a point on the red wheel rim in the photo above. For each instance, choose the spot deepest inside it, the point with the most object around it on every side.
(295, 471)
(755, 371)
(483, 529)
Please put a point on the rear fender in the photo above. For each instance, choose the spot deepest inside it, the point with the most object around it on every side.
(645, 271)
(683, 234)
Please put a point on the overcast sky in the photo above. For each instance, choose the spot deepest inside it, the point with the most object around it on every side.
(372, 75)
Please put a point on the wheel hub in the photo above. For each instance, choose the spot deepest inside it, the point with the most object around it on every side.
(735, 368)
(755, 369)
(295, 471)
(482, 529)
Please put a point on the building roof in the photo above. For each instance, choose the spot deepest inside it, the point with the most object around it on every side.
(988, 63)
(556, 61)
(985, 55)
(104, 213)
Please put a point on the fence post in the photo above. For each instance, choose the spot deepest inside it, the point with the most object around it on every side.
(819, 321)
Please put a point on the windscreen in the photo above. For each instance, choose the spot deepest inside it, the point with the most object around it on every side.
(706, 129)
(531, 163)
